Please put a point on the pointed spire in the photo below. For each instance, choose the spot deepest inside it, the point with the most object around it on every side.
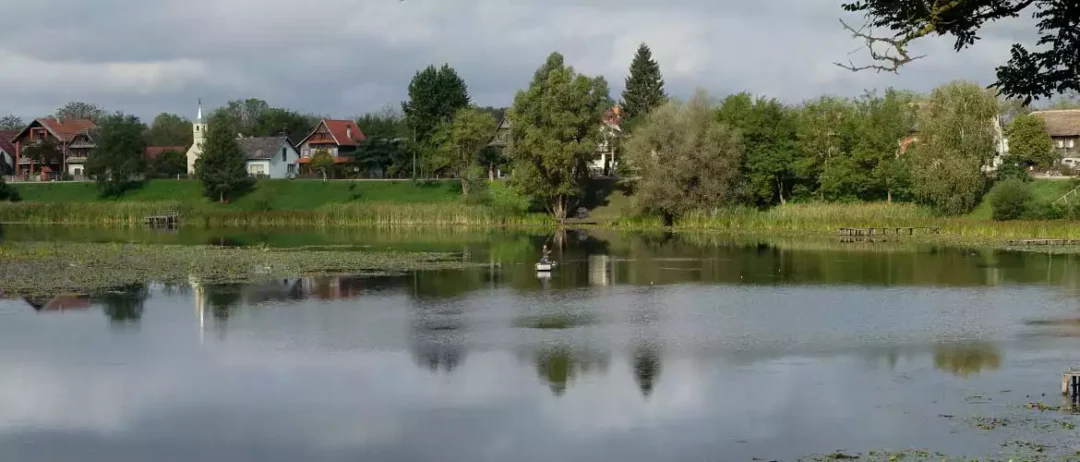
(198, 118)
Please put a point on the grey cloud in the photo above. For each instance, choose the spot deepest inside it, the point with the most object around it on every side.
(345, 57)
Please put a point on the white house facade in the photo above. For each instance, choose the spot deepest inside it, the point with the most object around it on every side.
(272, 157)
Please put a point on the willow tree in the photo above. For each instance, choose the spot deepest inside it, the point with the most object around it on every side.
(955, 140)
(555, 127)
(686, 159)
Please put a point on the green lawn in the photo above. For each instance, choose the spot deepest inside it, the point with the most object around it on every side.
(1041, 190)
(267, 195)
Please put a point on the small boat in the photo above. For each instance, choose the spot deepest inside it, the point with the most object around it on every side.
(545, 266)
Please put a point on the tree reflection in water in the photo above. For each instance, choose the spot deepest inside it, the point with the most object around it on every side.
(124, 304)
(558, 365)
(963, 360)
(646, 367)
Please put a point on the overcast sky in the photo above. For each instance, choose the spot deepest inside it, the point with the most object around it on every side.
(346, 57)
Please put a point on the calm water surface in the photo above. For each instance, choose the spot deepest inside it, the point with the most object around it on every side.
(639, 348)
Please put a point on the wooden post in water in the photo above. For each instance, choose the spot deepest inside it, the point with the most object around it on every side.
(1070, 384)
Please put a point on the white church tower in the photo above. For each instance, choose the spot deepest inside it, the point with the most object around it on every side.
(196, 148)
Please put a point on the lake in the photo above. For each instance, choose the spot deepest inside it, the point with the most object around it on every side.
(639, 347)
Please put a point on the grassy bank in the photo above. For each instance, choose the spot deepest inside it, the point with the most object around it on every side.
(827, 218)
(35, 268)
(272, 203)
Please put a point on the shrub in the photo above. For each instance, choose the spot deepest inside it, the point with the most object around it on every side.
(506, 201)
(7, 192)
(1012, 170)
(1010, 200)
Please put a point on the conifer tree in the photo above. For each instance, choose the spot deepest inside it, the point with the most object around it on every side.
(644, 86)
(222, 167)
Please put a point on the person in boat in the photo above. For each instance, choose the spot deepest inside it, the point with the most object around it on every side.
(547, 252)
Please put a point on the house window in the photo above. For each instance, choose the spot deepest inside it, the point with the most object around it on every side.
(1060, 143)
(284, 155)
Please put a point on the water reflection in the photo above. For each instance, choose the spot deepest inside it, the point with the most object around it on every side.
(124, 305)
(559, 365)
(967, 359)
(646, 367)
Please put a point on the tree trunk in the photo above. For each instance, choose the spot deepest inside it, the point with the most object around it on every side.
(560, 209)
(464, 187)
(780, 190)
(221, 197)
(491, 171)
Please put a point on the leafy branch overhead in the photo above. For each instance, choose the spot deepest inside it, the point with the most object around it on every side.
(1054, 68)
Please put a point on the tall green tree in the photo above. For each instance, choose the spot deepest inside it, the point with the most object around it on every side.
(276, 121)
(242, 115)
(769, 136)
(884, 122)
(169, 130)
(119, 160)
(644, 86)
(460, 142)
(686, 160)
(555, 126)
(80, 110)
(435, 94)
(384, 123)
(169, 164)
(825, 134)
(955, 141)
(1030, 143)
(11, 122)
(222, 167)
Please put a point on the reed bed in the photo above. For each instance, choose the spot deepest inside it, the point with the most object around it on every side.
(382, 214)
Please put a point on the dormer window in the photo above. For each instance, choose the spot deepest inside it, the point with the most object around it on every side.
(348, 132)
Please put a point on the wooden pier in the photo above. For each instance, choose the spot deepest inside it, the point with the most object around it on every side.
(1027, 242)
(164, 219)
(1070, 384)
(889, 230)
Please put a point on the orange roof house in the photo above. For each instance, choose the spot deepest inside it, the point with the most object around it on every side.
(73, 138)
(338, 137)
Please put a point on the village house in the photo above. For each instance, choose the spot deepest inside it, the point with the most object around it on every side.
(73, 141)
(610, 132)
(7, 152)
(270, 157)
(1064, 128)
(501, 143)
(339, 138)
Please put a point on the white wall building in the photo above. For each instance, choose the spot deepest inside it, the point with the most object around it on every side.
(271, 157)
(196, 149)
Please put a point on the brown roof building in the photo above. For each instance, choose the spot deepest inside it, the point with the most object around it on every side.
(1063, 125)
(73, 139)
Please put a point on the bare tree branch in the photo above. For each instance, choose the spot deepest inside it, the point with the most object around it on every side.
(894, 56)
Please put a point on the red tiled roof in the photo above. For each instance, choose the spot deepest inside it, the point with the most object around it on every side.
(152, 152)
(5, 141)
(342, 128)
(66, 129)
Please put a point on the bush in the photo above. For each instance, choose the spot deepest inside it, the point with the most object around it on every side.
(1010, 200)
(1012, 171)
(8, 192)
(506, 201)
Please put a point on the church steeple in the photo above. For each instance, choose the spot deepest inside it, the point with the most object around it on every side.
(198, 137)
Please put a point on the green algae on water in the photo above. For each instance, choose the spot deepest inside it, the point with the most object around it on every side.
(38, 268)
